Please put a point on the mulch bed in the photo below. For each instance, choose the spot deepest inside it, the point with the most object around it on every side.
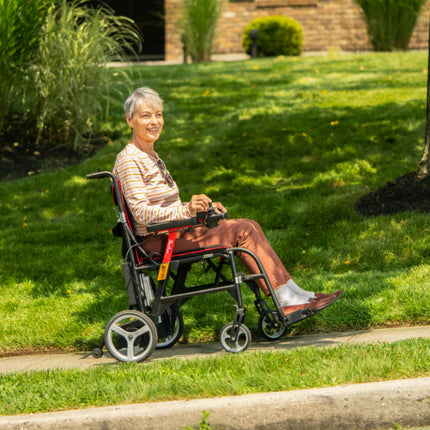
(408, 192)
(20, 157)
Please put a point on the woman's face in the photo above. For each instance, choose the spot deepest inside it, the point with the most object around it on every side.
(147, 123)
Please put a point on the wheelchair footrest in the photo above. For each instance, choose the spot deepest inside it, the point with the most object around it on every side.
(300, 315)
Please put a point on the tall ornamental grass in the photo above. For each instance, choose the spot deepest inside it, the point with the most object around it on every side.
(21, 25)
(72, 83)
(390, 23)
(199, 21)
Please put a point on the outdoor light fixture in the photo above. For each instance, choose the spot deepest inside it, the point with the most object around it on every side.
(253, 34)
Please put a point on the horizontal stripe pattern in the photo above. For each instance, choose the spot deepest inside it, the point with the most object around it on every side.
(150, 198)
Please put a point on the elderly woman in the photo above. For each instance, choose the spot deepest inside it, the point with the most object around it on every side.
(153, 197)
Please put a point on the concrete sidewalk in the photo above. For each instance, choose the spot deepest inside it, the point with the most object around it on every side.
(360, 406)
(84, 360)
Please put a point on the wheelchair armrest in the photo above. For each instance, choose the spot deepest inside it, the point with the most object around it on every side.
(209, 219)
(189, 222)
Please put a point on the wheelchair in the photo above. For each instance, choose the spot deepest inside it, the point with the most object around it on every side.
(157, 287)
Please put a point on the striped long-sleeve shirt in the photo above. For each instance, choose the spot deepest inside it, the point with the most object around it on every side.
(149, 196)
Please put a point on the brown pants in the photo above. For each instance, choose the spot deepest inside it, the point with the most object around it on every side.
(243, 233)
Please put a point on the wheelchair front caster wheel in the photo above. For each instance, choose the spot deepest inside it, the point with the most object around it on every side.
(131, 336)
(235, 339)
(97, 353)
(266, 327)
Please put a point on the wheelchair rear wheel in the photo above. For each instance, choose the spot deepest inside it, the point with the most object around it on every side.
(131, 336)
(235, 342)
(169, 329)
(267, 329)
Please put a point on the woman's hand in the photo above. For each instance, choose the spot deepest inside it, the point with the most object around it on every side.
(201, 203)
(219, 207)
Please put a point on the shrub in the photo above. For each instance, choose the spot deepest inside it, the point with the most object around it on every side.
(199, 19)
(277, 35)
(390, 23)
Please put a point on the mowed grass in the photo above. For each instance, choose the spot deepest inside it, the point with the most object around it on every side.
(290, 142)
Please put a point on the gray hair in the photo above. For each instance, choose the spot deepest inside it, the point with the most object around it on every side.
(143, 94)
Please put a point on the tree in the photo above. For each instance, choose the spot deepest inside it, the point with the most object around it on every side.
(424, 165)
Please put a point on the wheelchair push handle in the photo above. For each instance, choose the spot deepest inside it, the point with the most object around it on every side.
(99, 175)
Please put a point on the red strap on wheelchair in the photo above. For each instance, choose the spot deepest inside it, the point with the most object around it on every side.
(168, 252)
(169, 247)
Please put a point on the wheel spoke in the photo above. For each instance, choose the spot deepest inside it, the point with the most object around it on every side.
(144, 329)
(119, 330)
(130, 349)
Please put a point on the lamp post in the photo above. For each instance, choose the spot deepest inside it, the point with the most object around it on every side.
(184, 48)
(253, 34)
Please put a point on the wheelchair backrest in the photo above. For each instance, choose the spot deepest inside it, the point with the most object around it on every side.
(124, 227)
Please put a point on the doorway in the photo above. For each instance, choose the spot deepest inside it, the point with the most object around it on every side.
(149, 17)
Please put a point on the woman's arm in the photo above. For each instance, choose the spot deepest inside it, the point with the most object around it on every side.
(149, 198)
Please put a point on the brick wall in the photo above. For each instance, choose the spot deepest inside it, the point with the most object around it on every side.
(326, 24)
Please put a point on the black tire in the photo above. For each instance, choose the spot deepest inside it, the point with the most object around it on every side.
(97, 353)
(175, 330)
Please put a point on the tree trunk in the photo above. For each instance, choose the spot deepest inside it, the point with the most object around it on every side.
(424, 165)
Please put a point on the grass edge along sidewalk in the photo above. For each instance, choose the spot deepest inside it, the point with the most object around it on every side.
(217, 375)
(389, 405)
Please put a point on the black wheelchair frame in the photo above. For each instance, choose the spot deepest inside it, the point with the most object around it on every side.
(153, 319)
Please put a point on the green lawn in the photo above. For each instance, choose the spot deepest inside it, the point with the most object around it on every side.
(290, 142)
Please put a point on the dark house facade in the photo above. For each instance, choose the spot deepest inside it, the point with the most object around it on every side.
(150, 18)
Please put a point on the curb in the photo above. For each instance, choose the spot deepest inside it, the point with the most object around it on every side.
(361, 406)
